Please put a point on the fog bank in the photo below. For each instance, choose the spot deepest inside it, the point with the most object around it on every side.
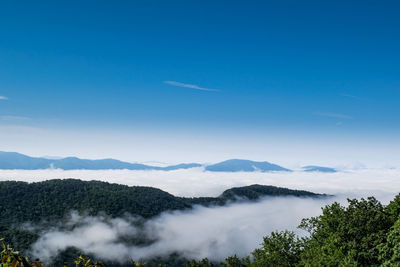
(213, 232)
(383, 183)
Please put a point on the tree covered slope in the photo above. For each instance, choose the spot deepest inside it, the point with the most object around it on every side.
(52, 199)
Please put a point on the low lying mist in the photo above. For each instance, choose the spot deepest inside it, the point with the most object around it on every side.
(213, 232)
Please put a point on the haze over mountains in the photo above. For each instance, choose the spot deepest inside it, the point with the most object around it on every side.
(14, 160)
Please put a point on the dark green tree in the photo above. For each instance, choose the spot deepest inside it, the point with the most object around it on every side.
(278, 249)
(235, 261)
(346, 236)
(389, 252)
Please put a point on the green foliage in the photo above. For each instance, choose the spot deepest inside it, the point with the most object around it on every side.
(18, 237)
(53, 199)
(251, 192)
(256, 191)
(234, 261)
(203, 263)
(83, 261)
(389, 252)
(11, 258)
(278, 249)
(393, 209)
(346, 236)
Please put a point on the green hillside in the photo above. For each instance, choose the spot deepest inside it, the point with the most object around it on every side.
(22, 202)
(52, 200)
(363, 233)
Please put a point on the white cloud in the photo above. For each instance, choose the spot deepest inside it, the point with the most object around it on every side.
(192, 86)
(197, 182)
(3, 97)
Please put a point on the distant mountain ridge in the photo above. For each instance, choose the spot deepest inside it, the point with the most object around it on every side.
(318, 169)
(17, 161)
(13, 160)
(238, 165)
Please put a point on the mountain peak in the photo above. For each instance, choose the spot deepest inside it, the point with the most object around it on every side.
(237, 165)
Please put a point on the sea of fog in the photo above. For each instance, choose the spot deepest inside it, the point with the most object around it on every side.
(196, 182)
(213, 232)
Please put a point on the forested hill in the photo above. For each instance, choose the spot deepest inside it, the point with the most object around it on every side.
(52, 199)
(253, 192)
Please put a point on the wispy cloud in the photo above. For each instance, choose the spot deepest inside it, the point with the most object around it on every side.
(351, 96)
(3, 97)
(334, 115)
(192, 86)
(13, 118)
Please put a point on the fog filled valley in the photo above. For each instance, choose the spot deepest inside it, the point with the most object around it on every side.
(196, 214)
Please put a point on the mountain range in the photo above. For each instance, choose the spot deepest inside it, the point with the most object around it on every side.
(17, 161)
(13, 160)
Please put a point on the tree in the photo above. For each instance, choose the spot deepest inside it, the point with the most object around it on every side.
(389, 252)
(234, 261)
(346, 236)
(278, 249)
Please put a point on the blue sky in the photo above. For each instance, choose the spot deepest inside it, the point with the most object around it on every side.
(242, 77)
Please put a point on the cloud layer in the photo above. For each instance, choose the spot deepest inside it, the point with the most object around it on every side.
(197, 182)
